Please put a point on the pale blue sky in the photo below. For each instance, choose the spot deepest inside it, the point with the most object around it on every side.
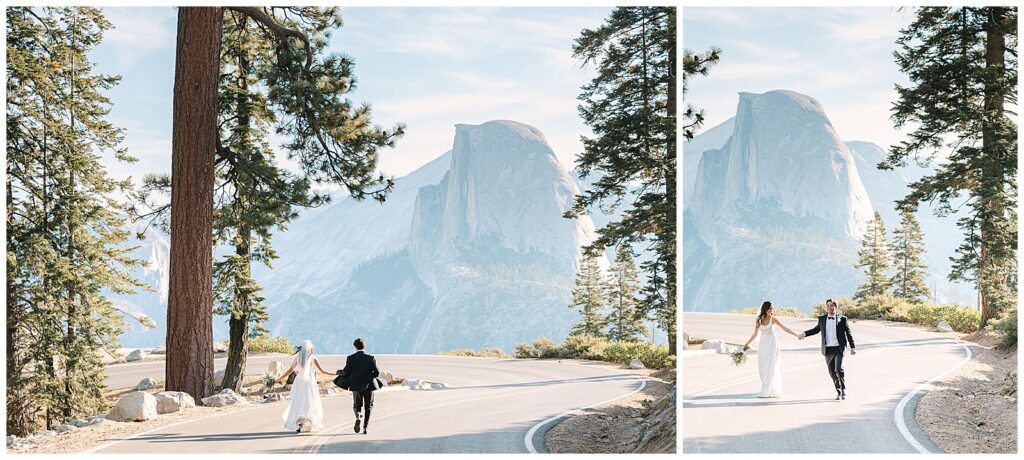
(427, 67)
(840, 56)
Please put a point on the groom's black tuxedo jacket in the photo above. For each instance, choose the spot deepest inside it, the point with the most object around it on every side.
(360, 370)
(843, 334)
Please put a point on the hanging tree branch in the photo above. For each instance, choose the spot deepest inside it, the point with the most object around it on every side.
(282, 33)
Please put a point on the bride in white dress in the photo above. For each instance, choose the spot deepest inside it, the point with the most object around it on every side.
(305, 396)
(768, 362)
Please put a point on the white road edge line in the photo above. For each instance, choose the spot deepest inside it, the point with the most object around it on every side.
(898, 414)
(533, 430)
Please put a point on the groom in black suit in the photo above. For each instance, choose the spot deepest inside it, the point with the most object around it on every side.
(361, 372)
(835, 335)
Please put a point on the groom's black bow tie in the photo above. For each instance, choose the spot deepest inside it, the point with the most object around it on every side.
(832, 318)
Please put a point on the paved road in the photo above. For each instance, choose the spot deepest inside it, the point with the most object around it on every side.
(129, 374)
(490, 406)
(722, 413)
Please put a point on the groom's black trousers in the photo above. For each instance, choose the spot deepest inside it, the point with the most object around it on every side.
(834, 360)
(361, 399)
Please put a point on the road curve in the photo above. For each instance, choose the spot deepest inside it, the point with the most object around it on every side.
(722, 413)
(490, 406)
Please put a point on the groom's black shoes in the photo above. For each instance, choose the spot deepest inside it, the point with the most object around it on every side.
(356, 428)
(843, 393)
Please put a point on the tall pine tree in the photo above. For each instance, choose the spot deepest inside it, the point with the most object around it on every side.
(68, 239)
(874, 258)
(908, 280)
(962, 66)
(589, 298)
(625, 319)
(631, 108)
(278, 75)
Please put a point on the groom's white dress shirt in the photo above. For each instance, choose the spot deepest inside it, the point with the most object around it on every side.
(830, 331)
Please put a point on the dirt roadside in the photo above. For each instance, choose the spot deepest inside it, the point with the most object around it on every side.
(644, 422)
(974, 410)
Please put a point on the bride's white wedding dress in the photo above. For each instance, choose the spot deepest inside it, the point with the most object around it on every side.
(768, 362)
(305, 402)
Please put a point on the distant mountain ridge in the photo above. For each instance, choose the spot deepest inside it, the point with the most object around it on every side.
(469, 251)
(776, 209)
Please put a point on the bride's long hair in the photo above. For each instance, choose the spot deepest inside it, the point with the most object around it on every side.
(764, 310)
(305, 353)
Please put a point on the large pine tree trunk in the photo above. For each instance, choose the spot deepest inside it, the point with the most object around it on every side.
(238, 349)
(670, 193)
(189, 366)
(995, 46)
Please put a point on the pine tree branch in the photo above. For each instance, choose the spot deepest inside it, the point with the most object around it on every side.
(282, 33)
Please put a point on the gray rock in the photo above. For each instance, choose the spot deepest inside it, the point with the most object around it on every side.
(80, 423)
(219, 347)
(218, 377)
(66, 428)
(161, 350)
(944, 327)
(276, 368)
(134, 407)
(635, 363)
(135, 355)
(173, 401)
(226, 397)
(11, 439)
(146, 384)
(44, 434)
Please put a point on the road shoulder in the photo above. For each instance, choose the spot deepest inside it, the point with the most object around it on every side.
(974, 410)
(644, 421)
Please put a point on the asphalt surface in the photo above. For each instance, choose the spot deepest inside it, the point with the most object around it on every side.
(129, 374)
(490, 406)
(722, 413)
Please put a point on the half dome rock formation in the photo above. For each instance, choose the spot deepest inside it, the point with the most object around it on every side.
(777, 212)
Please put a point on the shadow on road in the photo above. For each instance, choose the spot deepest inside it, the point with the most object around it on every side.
(213, 437)
(478, 442)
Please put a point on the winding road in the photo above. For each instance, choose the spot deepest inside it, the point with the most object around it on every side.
(722, 413)
(491, 405)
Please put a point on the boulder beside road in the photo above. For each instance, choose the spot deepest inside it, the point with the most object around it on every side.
(173, 401)
(136, 406)
(226, 397)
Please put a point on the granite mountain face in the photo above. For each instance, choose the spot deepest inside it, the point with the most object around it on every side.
(469, 251)
(777, 208)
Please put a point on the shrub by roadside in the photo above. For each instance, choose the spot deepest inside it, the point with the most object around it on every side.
(888, 307)
(268, 344)
(779, 311)
(599, 349)
(1007, 329)
(541, 348)
(483, 353)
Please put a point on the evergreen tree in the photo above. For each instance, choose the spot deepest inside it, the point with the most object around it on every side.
(267, 83)
(696, 64)
(66, 243)
(630, 107)
(589, 298)
(873, 257)
(625, 321)
(908, 281)
(962, 66)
